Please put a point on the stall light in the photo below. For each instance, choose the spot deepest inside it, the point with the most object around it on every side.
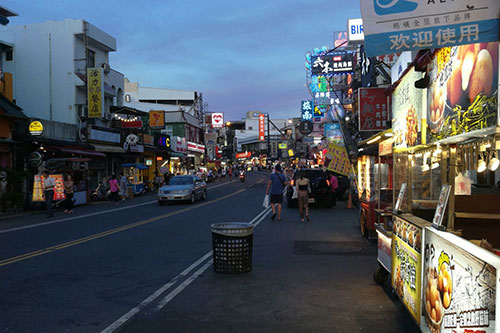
(361, 149)
(425, 167)
(494, 162)
(375, 139)
(418, 155)
(347, 118)
(435, 165)
(388, 135)
(481, 164)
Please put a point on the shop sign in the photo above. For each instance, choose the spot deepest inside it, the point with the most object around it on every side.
(104, 136)
(217, 120)
(148, 162)
(355, 31)
(400, 65)
(406, 275)
(462, 96)
(95, 92)
(385, 147)
(36, 127)
(403, 25)
(179, 144)
(338, 63)
(262, 131)
(282, 146)
(290, 153)
(131, 124)
(35, 159)
(196, 147)
(38, 192)
(459, 285)
(320, 110)
(148, 139)
(244, 155)
(162, 141)
(374, 109)
(407, 111)
(333, 133)
(337, 160)
(339, 39)
(156, 119)
(131, 144)
(307, 109)
(306, 127)
(210, 139)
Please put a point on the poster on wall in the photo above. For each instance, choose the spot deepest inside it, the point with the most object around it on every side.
(402, 25)
(462, 96)
(407, 112)
(336, 160)
(459, 288)
(406, 277)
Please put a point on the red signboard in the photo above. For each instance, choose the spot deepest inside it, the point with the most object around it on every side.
(261, 127)
(244, 155)
(132, 124)
(373, 109)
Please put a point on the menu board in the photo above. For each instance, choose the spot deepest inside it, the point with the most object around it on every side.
(460, 283)
(38, 193)
(407, 111)
(406, 274)
(336, 160)
(462, 96)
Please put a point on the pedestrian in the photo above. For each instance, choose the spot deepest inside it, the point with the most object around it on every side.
(276, 183)
(334, 185)
(223, 173)
(69, 192)
(3, 190)
(230, 172)
(303, 186)
(219, 174)
(123, 186)
(49, 185)
(114, 188)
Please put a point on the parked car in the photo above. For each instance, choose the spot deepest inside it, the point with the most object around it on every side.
(344, 185)
(181, 188)
(321, 193)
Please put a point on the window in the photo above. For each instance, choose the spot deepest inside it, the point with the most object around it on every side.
(250, 128)
(9, 55)
(90, 58)
(127, 98)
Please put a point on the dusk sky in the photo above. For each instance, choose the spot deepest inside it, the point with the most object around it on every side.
(242, 55)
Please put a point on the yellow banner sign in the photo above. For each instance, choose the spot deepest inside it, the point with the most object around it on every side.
(336, 160)
(156, 118)
(95, 92)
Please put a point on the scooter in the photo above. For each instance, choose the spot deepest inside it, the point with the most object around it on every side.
(242, 176)
(100, 193)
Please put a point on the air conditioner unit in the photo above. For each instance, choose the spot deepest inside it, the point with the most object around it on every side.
(106, 68)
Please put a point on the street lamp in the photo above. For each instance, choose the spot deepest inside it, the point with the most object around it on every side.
(228, 123)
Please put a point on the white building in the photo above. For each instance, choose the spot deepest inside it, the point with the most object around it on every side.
(48, 64)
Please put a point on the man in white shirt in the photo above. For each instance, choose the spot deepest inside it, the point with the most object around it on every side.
(49, 185)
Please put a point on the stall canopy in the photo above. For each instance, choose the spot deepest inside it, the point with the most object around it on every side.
(135, 165)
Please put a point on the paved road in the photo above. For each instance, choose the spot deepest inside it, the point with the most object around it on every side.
(141, 267)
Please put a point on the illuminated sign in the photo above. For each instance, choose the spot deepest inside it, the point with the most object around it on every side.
(339, 38)
(162, 141)
(307, 109)
(36, 128)
(355, 30)
(261, 127)
(156, 118)
(217, 120)
(338, 63)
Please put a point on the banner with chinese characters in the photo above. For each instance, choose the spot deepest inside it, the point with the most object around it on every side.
(156, 119)
(373, 109)
(307, 109)
(462, 96)
(459, 285)
(333, 63)
(406, 276)
(262, 127)
(336, 160)
(38, 192)
(408, 112)
(403, 25)
(95, 92)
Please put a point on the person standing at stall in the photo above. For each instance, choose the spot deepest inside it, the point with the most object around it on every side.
(114, 188)
(277, 183)
(123, 186)
(49, 185)
(334, 185)
(69, 192)
(303, 186)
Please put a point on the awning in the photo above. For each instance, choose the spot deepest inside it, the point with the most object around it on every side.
(174, 154)
(109, 149)
(80, 151)
(10, 109)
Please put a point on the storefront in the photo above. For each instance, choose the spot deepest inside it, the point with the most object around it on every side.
(163, 145)
(196, 155)
(178, 156)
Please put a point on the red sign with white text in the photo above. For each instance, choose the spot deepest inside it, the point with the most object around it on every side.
(244, 155)
(373, 109)
(262, 127)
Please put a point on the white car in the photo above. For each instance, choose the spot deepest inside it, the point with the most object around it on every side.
(181, 188)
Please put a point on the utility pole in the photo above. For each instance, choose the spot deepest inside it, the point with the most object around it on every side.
(268, 137)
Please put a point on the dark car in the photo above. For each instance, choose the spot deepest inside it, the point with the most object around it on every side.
(343, 182)
(321, 193)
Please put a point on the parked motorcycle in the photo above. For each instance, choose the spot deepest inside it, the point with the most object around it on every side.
(242, 176)
(100, 193)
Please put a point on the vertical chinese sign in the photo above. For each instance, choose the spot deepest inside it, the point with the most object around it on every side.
(307, 110)
(95, 92)
(373, 109)
(261, 127)
(156, 119)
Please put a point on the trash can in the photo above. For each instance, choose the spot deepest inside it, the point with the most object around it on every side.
(232, 247)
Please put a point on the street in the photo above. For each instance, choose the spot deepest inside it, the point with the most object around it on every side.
(141, 267)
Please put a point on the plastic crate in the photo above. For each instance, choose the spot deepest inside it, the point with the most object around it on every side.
(232, 247)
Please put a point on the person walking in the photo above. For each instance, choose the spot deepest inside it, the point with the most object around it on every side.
(303, 186)
(334, 185)
(230, 172)
(224, 173)
(123, 186)
(69, 192)
(49, 184)
(114, 188)
(276, 183)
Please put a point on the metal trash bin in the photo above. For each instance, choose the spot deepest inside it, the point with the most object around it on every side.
(232, 247)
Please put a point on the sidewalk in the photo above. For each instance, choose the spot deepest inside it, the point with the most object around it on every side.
(312, 277)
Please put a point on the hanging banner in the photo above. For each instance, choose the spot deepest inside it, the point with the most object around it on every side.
(403, 25)
(262, 127)
(460, 283)
(95, 92)
(406, 275)
(373, 108)
(38, 193)
(462, 96)
(336, 160)
(156, 119)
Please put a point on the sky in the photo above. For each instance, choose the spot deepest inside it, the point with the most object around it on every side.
(242, 55)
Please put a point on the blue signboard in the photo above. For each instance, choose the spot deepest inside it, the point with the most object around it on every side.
(307, 109)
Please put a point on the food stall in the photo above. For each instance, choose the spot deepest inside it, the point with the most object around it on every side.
(446, 142)
(134, 174)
